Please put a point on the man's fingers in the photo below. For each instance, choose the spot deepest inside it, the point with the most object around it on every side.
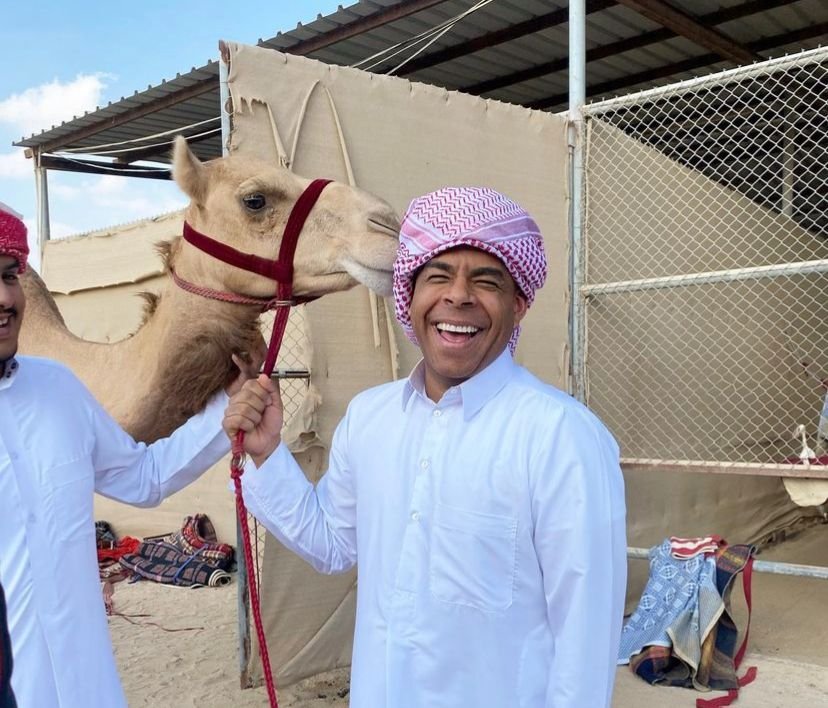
(255, 390)
(244, 419)
(268, 384)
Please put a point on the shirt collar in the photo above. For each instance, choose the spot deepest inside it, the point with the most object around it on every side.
(8, 373)
(475, 392)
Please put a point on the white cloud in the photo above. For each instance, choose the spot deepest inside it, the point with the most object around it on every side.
(14, 165)
(128, 199)
(41, 107)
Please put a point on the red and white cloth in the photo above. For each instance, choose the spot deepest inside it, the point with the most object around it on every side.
(13, 233)
(478, 217)
(686, 548)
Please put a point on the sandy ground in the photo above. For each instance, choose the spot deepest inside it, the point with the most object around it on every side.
(199, 667)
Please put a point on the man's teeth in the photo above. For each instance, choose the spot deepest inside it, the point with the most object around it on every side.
(460, 329)
(4, 321)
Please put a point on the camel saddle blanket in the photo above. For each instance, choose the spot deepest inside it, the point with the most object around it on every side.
(683, 633)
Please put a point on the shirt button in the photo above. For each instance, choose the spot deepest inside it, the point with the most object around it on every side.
(424, 464)
(415, 515)
(437, 413)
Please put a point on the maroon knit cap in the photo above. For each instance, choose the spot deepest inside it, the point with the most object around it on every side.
(13, 240)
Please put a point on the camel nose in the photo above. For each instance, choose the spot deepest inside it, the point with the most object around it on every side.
(385, 221)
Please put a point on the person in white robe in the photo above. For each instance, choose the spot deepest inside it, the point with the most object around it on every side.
(484, 508)
(58, 447)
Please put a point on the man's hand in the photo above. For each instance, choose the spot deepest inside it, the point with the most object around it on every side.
(249, 363)
(257, 410)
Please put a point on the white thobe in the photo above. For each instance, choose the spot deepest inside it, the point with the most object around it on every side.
(57, 447)
(489, 529)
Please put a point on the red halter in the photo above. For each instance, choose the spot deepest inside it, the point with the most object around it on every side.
(280, 270)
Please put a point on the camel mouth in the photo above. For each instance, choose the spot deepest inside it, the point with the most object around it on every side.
(377, 279)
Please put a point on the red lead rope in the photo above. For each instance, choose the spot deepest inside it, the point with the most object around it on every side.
(280, 270)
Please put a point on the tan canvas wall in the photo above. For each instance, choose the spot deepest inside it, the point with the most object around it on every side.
(396, 139)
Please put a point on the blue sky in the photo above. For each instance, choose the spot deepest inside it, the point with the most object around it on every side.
(64, 58)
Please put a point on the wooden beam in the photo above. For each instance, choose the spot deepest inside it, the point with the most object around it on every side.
(642, 77)
(624, 45)
(686, 26)
(507, 34)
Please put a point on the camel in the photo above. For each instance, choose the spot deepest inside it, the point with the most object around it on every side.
(167, 370)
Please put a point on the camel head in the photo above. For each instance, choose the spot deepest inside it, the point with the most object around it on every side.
(349, 237)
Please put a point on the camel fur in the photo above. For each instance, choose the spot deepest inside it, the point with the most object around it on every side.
(180, 356)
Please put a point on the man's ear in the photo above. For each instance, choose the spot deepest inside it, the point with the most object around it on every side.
(521, 306)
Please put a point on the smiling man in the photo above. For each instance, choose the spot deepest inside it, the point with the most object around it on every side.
(485, 508)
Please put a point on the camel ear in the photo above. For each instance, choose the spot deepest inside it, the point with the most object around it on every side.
(188, 171)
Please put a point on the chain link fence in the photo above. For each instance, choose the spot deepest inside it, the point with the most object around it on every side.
(703, 311)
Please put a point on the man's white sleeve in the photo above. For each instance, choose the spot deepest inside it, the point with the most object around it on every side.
(317, 523)
(580, 539)
(143, 475)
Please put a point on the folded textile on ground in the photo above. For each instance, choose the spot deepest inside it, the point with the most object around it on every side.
(678, 593)
(190, 557)
(198, 534)
(165, 563)
(127, 544)
(684, 548)
(110, 550)
(682, 633)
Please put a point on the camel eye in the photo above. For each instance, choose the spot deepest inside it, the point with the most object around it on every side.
(254, 201)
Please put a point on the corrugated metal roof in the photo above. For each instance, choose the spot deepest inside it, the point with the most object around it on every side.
(626, 52)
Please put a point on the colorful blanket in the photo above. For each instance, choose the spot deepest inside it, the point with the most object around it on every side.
(683, 633)
(680, 596)
(190, 557)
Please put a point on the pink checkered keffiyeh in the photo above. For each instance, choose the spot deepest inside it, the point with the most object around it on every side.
(13, 236)
(478, 217)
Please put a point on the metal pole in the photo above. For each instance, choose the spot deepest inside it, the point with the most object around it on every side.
(575, 143)
(815, 267)
(740, 73)
(757, 469)
(42, 192)
(772, 567)
(242, 588)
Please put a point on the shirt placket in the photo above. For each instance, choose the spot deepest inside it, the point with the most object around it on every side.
(412, 574)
